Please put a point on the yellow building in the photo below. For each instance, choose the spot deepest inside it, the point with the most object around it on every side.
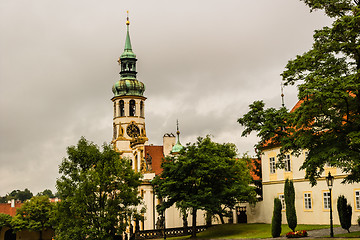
(312, 203)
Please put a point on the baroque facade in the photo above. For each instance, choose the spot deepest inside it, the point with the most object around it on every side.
(131, 141)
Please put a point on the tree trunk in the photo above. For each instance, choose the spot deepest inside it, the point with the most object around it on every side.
(193, 234)
(221, 218)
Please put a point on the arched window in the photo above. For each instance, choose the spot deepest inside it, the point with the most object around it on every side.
(141, 109)
(132, 108)
(121, 108)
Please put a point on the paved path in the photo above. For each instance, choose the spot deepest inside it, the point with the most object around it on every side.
(337, 230)
(322, 233)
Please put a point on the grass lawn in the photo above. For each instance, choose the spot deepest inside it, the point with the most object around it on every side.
(254, 230)
(352, 235)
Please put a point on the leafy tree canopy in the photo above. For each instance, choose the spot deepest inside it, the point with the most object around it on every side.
(327, 120)
(205, 175)
(34, 215)
(5, 220)
(20, 195)
(98, 191)
(47, 192)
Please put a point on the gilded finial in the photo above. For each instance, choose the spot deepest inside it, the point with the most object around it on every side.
(177, 127)
(282, 95)
(127, 18)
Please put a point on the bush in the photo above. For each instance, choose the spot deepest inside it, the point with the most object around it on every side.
(5, 220)
(345, 212)
(276, 219)
(289, 193)
(297, 234)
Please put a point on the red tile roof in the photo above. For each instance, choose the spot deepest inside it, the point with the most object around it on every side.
(157, 154)
(253, 168)
(297, 105)
(7, 209)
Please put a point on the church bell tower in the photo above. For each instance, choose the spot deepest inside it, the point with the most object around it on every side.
(129, 135)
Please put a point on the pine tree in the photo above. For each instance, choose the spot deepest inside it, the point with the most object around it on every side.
(276, 219)
(289, 193)
(345, 212)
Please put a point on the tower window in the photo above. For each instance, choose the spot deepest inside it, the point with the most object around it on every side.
(115, 132)
(114, 109)
(132, 108)
(141, 109)
(121, 108)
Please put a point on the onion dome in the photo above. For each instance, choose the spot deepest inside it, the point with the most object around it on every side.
(131, 87)
(177, 147)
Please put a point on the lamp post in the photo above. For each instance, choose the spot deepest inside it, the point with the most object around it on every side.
(330, 182)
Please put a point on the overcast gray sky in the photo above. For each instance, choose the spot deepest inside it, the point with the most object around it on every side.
(202, 61)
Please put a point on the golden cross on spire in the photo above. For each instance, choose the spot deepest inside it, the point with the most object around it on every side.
(127, 18)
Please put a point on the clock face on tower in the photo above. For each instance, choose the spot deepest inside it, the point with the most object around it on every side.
(133, 130)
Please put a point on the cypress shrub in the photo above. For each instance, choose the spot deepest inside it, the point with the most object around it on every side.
(289, 194)
(345, 212)
(276, 219)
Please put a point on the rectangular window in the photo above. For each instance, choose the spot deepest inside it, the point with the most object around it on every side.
(282, 199)
(326, 200)
(307, 201)
(272, 165)
(357, 199)
(287, 163)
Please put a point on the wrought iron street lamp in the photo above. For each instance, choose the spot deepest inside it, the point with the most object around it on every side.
(330, 182)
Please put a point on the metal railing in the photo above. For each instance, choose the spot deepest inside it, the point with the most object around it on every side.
(169, 232)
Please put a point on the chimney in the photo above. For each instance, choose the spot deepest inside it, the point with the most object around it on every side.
(168, 143)
(12, 203)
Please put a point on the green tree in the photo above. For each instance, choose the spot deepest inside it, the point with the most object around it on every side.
(327, 119)
(5, 220)
(289, 194)
(3, 199)
(345, 212)
(276, 219)
(20, 195)
(98, 191)
(34, 215)
(205, 175)
(46, 192)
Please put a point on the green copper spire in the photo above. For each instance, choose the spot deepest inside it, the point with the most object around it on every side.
(128, 85)
(128, 53)
(177, 147)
